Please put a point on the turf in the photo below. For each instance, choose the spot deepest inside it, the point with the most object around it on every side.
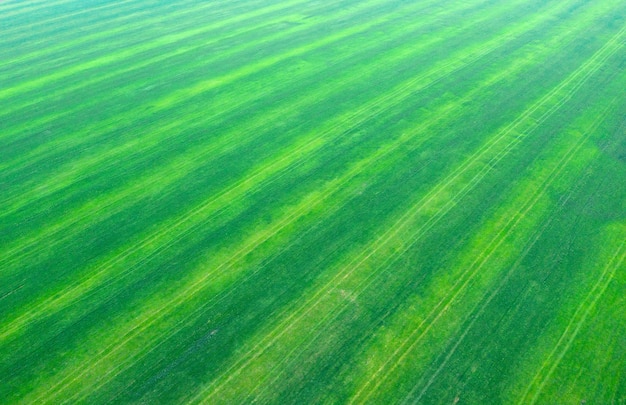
(372, 201)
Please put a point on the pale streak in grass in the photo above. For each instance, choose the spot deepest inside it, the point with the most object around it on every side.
(131, 52)
(309, 304)
(122, 343)
(554, 174)
(33, 25)
(352, 118)
(202, 86)
(194, 288)
(560, 102)
(18, 323)
(225, 79)
(291, 321)
(574, 326)
(363, 110)
(49, 189)
(29, 29)
(126, 53)
(184, 35)
(82, 169)
(30, 9)
(493, 161)
(41, 153)
(183, 49)
(293, 218)
(370, 279)
(465, 332)
(385, 238)
(223, 295)
(389, 260)
(247, 184)
(332, 189)
(355, 114)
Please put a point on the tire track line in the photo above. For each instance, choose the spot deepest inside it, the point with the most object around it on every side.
(186, 295)
(304, 206)
(41, 153)
(181, 37)
(550, 178)
(352, 116)
(27, 31)
(355, 118)
(106, 60)
(543, 375)
(310, 304)
(468, 273)
(98, 126)
(77, 168)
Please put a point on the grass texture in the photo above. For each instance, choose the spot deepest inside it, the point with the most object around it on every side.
(296, 201)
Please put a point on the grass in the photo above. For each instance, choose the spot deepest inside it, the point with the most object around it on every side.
(299, 202)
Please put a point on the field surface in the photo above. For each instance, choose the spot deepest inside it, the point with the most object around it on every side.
(301, 201)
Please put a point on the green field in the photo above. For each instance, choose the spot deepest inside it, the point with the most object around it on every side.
(304, 201)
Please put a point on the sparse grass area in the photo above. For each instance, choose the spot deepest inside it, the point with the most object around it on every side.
(377, 201)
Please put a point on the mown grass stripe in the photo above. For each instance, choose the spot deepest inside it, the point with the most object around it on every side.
(20, 33)
(295, 315)
(526, 224)
(436, 69)
(471, 319)
(334, 126)
(109, 40)
(113, 122)
(309, 98)
(510, 223)
(291, 103)
(57, 23)
(552, 361)
(34, 52)
(180, 51)
(59, 143)
(266, 386)
(125, 54)
(48, 23)
(322, 325)
(470, 314)
(19, 9)
(111, 336)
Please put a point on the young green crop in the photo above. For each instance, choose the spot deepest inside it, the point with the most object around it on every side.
(371, 201)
